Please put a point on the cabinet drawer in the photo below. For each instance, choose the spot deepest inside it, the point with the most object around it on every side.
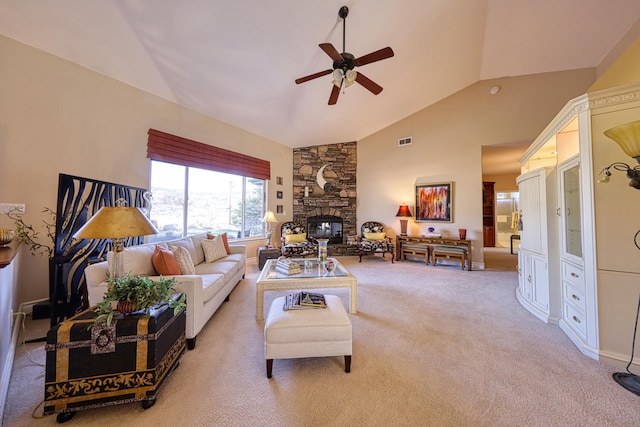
(573, 274)
(576, 320)
(574, 296)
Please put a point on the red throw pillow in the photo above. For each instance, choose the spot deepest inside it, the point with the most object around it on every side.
(164, 261)
(224, 239)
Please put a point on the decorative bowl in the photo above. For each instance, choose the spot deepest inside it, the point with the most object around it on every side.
(6, 236)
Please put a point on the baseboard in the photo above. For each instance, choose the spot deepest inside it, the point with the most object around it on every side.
(27, 307)
(5, 377)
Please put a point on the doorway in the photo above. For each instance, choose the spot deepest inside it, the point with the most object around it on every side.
(507, 206)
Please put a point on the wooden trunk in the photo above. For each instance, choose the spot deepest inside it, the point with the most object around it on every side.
(101, 366)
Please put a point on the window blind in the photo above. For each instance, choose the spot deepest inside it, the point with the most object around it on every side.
(165, 147)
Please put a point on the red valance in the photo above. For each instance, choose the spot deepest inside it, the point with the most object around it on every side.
(165, 147)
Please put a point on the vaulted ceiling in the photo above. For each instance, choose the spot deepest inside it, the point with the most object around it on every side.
(237, 60)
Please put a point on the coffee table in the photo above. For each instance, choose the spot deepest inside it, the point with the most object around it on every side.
(314, 277)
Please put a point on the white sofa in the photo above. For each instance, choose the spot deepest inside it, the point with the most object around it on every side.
(206, 290)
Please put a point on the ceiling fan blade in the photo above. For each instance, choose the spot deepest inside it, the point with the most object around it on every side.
(369, 84)
(335, 91)
(313, 76)
(331, 51)
(378, 55)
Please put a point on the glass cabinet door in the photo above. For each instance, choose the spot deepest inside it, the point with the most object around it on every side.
(571, 218)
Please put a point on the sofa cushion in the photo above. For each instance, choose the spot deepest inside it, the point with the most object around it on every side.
(226, 268)
(198, 254)
(165, 263)
(211, 285)
(225, 239)
(184, 260)
(188, 243)
(213, 249)
(137, 260)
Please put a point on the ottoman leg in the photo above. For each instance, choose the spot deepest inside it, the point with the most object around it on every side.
(347, 364)
(269, 367)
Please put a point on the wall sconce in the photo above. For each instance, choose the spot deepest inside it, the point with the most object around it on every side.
(628, 138)
(403, 212)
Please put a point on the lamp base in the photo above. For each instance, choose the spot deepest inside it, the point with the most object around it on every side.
(629, 381)
(403, 227)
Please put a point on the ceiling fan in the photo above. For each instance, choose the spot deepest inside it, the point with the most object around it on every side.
(344, 64)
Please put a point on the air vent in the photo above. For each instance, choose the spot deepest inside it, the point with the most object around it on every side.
(404, 141)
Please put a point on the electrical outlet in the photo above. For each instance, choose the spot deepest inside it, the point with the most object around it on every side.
(19, 208)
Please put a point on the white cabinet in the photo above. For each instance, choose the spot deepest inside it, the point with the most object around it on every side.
(538, 268)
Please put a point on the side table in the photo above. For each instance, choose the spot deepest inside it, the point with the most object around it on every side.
(265, 253)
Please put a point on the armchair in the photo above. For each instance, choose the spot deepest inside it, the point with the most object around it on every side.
(295, 241)
(373, 239)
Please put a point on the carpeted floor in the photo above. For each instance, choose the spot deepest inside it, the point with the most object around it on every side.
(433, 346)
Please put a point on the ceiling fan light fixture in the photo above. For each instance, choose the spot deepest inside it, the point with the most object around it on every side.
(350, 78)
(337, 75)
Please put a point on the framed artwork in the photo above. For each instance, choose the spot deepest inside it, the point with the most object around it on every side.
(278, 194)
(279, 209)
(434, 202)
(279, 180)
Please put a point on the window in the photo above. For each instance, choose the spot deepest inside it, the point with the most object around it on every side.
(189, 200)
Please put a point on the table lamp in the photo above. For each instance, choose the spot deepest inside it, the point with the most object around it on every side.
(269, 219)
(403, 212)
(116, 223)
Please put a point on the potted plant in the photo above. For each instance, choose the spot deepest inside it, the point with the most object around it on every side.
(134, 293)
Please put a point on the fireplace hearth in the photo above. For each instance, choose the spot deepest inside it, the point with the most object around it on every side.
(325, 227)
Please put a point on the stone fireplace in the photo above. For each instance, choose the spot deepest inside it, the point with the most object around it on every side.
(332, 207)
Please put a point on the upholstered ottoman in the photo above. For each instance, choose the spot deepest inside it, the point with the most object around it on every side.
(318, 332)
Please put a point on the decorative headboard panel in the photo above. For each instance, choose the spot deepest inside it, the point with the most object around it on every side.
(78, 200)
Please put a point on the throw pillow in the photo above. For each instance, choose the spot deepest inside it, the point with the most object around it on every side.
(295, 238)
(165, 262)
(214, 249)
(225, 240)
(374, 236)
(184, 260)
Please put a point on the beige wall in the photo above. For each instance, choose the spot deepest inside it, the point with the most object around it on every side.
(447, 146)
(57, 117)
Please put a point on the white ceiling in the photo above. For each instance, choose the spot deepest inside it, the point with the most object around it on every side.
(237, 60)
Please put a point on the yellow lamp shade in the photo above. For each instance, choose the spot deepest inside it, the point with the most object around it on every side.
(628, 138)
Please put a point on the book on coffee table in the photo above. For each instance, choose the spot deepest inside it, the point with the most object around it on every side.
(304, 300)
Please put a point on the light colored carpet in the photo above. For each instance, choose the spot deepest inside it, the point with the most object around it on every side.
(433, 346)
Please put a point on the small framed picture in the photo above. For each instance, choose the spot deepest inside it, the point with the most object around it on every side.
(278, 194)
(278, 180)
(279, 209)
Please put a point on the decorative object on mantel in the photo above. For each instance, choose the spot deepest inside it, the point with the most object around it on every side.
(403, 212)
(269, 219)
(6, 236)
(322, 183)
(344, 64)
(628, 138)
(116, 223)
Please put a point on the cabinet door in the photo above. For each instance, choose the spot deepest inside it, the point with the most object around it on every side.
(532, 207)
(540, 284)
(570, 203)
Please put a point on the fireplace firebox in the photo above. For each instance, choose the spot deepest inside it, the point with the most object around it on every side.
(325, 227)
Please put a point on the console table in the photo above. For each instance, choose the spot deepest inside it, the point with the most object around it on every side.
(444, 241)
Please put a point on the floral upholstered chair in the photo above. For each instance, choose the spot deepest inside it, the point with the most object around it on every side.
(373, 239)
(295, 241)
